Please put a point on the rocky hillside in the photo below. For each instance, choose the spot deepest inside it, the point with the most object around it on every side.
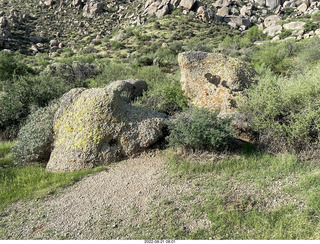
(46, 26)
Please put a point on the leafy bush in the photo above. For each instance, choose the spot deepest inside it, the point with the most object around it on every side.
(286, 110)
(200, 129)
(309, 55)
(285, 33)
(10, 66)
(310, 26)
(25, 94)
(116, 45)
(110, 72)
(254, 34)
(36, 137)
(166, 98)
(276, 57)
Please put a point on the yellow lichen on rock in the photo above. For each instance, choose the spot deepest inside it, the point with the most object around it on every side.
(96, 126)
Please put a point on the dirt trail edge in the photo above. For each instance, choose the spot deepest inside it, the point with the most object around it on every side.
(95, 207)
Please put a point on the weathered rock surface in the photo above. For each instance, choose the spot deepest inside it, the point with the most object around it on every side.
(224, 11)
(97, 126)
(298, 25)
(237, 21)
(187, 4)
(273, 30)
(71, 72)
(271, 20)
(92, 8)
(214, 81)
(272, 4)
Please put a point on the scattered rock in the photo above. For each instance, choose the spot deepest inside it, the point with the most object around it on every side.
(237, 21)
(71, 72)
(224, 11)
(221, 3)
(187, 4)
(271, 20)
(298, 25)
(53, 43)
(272, 4)
(119, 37)
(49, 3)
(92, 8)
(246, 10)
(303, 8)
(163, 11)
(273, 30)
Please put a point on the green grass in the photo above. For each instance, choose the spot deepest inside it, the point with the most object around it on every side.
(248, 196)
(29, 182)
(257, 196)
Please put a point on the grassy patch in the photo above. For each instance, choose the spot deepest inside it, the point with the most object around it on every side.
(248, 196)
(255, 196)
(33, 181)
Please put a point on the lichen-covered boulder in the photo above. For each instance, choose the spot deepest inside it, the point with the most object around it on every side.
(98, 126)
(214, 81)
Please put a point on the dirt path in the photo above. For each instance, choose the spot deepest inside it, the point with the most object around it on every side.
(75, 213)
(96, 207)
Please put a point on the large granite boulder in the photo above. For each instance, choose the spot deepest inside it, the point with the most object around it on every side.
(99, 126)
(213, 80)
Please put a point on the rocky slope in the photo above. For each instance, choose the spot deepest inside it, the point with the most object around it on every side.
(47, 26)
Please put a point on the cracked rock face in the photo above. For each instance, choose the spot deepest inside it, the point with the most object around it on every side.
(214, 81)
(98, 126)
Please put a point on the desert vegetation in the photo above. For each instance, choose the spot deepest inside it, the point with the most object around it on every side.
(263, 189)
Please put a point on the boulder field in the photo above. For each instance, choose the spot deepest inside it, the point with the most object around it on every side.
(100, 125)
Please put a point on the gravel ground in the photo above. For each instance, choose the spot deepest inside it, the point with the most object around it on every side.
(99, 205)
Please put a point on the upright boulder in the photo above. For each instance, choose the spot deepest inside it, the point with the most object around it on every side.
(187, 4)
(92, 8)
(98, 126)
(213, 80)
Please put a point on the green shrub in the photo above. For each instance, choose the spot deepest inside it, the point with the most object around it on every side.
(35, 138)
(200, 129)
(145, 60)
(254, 34)
(26, 93)
(11, 66)
(279, 58)
(116, 45)
(285, 33)
(310, 26)
(309, 55)
(195, 44)
(286, 110)
(110, 72)
(164, 97)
